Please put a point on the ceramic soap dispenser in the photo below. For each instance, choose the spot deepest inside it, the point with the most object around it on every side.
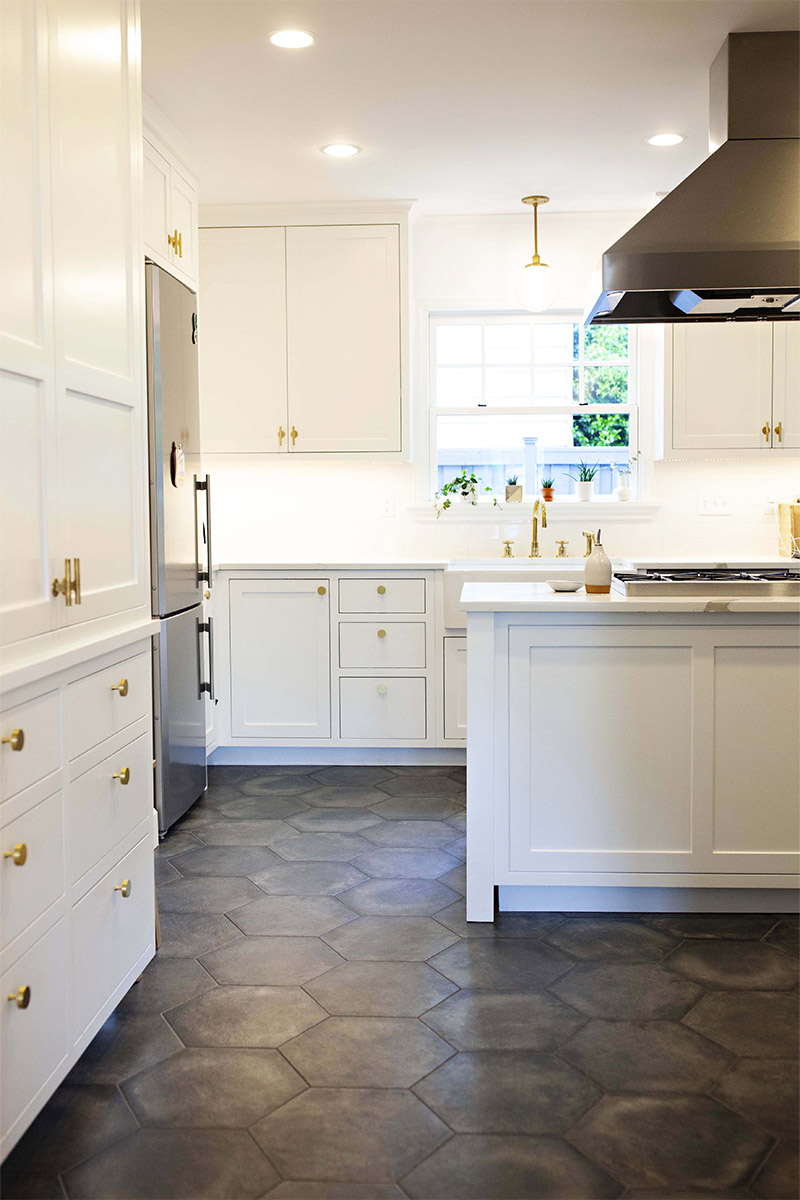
(597, 571)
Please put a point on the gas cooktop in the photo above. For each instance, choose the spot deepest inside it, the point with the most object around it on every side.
(689, 581)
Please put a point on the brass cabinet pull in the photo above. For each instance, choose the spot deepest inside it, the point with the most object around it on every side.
(15, 739)
(19, 855)
(322, 590)
(381, 590)
(293, 434)
(765, 430)
(124, 776)
(281, 435)
(123, 888)
(779, 431)
(121, 687)
(207, 594)
(381, 633)
(175, 240)
(70, 585)
(21, 997)
(382, 689)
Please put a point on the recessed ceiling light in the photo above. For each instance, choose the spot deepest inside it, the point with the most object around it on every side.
(292, 39)
(341, 150)
(666, 139)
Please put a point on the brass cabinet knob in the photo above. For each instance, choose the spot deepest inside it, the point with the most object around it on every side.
(765, 430)
(381, 590)
(322, 590)
(123, 888)
(381, 633)
(207, 594)
(124, 776)
(16, 739)
(19, 855)
(121, 687)
(281, 435)
(779, 431)
(382, 689)
(21, 997)
(293, 434)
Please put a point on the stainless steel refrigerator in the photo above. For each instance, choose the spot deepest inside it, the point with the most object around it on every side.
(180, 547)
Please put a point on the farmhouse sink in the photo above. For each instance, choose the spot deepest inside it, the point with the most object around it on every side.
(512, 570)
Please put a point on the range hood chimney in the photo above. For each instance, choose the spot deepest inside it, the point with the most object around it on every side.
(725, 244)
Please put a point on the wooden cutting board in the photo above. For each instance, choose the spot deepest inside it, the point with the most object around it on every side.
(789, 527)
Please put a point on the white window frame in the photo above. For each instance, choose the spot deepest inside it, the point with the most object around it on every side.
(463, 317)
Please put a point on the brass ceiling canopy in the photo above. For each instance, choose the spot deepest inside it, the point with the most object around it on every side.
(535, 201)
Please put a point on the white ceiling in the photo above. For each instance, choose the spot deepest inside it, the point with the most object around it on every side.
(466, 105)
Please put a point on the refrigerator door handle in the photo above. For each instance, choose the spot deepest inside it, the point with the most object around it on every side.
(208, 627)
(205, 486)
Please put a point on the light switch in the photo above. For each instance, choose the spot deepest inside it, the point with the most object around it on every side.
(713, 504)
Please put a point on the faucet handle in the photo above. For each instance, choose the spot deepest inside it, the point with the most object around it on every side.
(562, 548)
(589, 542)
(508, 552)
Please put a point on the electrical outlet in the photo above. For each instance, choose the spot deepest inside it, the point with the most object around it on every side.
(713, 504)
(387, 506)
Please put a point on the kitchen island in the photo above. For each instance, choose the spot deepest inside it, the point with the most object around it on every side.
(631, 754)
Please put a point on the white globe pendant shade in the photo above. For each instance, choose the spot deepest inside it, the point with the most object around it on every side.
(537, 287)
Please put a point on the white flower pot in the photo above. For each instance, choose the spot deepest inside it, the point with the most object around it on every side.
(584, 490)
(622, 492)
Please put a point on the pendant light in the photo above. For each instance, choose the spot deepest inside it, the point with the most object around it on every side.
(537, 285)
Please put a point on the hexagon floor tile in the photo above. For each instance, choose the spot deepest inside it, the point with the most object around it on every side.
(306, 916)
(358, 1134)
(735, 966)
(751, 1024)
(509, 965)
(366, 1052)
(380, 989)
(398, 897)
(226, 1089)
(504, 1021)
(397, 939)
(612, 939)
(245, 1016)
(308, 878)
(271, 960)
(646, 1056)
(621, 991)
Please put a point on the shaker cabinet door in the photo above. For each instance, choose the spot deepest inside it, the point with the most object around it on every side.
(242, 343)
(343, 318)
(722, 386)
(280, 658)
(786, 386)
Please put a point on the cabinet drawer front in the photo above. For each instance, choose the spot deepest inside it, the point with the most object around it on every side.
(370, 644)
(96, 706)
(39, 722)
(382, 708)
(110, 932)
(30, 883)
(34, 1039)
(382, 595)
(102, 810)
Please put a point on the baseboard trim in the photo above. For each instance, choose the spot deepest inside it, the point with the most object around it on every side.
(517, 898)
(367, 756)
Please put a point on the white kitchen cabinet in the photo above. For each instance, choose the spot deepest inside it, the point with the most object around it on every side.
(73, 447)
(343, 319)
(786, 386)
(731, 389)
(242, 343)
(300, 346)
(170, 211)
(280, 658)
(455, 687)
(382, 708)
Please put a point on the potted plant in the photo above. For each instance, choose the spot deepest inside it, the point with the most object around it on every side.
(584, 480)
(464, 487)
(548, 485)
(513, 490)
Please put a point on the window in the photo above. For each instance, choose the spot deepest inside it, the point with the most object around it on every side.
(532, 397)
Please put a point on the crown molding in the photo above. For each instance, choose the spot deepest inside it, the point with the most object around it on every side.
(308, 212)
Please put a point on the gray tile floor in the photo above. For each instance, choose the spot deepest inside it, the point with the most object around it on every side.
(321, 1021)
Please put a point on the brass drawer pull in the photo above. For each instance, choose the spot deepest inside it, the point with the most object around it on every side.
(123, 888)
(21, 997)
(382, 689)
(765, 430)
(16, 739)
(124, 776)
(121, 687)
(293, 434)
(175, 240)
(779, 431)
(381, 590)
(19, 855)
(322, 590)
(281, 435)
(381, 633)
(70, 585)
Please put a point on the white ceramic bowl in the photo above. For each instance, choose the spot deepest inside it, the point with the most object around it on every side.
(564, 585)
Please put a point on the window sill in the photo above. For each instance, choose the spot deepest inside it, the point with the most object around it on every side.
(484, 512)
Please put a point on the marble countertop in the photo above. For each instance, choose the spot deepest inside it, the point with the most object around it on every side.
(340, 564)
(538, 597)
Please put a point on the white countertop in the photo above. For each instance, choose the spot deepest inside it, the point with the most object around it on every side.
(538, 597)
(340, 564)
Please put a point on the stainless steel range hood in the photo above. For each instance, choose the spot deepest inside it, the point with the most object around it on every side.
(725, 244)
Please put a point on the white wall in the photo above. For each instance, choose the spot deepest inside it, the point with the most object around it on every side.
(292, 508)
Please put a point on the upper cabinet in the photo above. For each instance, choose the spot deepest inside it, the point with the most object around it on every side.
(170, 212)
(301, 339)
(73, 479)
(731, 389)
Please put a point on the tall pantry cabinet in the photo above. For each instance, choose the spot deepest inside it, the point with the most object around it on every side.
(76, 780)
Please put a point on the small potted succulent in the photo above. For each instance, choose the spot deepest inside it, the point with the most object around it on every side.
(584, 480)
(464, 487)
(513, 490)
(548, 487)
